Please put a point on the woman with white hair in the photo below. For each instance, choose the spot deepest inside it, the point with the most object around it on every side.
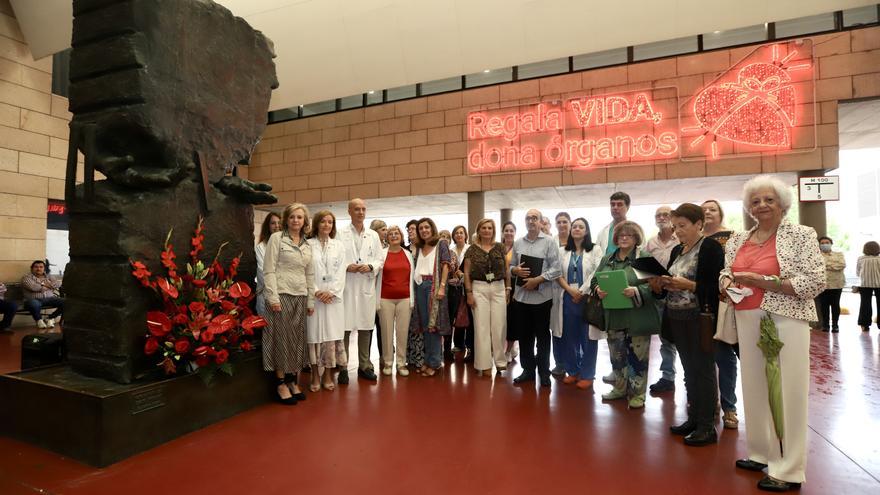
(781, 266)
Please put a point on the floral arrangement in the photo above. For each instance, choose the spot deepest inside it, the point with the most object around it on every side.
(205, 314)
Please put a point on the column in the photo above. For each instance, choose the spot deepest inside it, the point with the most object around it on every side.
(812, 213)
(506, 215)
(476, 209)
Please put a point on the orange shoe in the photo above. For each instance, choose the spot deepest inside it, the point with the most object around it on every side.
(584, 384)
(568, 380)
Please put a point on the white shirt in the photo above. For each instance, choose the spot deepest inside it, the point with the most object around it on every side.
(425, 265)
(661, 251)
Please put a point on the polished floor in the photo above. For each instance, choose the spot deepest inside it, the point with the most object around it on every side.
(461, 434)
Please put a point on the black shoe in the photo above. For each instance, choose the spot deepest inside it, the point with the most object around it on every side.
(300, 396)
(750, 465)
(343, 377)
(367, 375)
(523, 378)
(835, 329)
(468, 355)
(825, 329)
(701, 437)
(558, 370)
(662, 385)
(685, 428)
(774, 485)
(545, 381)
(290, 401)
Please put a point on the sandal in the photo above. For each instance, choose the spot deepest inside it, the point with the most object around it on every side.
(329, 386)
(280, 385)
(429, 372)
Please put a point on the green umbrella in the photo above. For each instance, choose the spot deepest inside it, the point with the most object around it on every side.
(770, 345)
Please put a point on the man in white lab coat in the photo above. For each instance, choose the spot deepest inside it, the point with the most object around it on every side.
(363, 252)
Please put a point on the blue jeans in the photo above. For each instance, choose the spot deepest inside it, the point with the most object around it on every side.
(577, 350)
(667, 356)
(34, 306)
(433, 341)
(725, 358)
(8, 308)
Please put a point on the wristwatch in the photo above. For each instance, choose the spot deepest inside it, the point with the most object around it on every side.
(773, 278)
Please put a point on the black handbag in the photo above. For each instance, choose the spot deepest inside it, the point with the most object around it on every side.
(594, 313)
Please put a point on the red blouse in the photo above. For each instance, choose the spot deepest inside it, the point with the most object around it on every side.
(396, 276)
(758, 259)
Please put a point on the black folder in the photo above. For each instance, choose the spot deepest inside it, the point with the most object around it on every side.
(649, 265)
(535, 266)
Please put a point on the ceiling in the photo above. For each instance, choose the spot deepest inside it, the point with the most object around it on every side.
(333, 48)
(674, 191)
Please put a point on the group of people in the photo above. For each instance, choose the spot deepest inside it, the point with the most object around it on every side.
(40, 292)
(420, 288)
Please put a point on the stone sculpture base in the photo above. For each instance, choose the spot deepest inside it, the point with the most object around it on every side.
(101, 422)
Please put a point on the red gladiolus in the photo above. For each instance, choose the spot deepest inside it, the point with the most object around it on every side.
(158, 323)
(239, 289)
(213, 295)
(253, 321)
(246, 346)
(199, 283)
(233, 267)
(197, 307)
(197, 240)
(141, 273)
(202, 361)
(217, 269)
(168, 261)
(167, 288)
(222, 356)
(151, 346)
(181, 346)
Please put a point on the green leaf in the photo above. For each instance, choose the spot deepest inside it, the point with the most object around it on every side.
(227, 368)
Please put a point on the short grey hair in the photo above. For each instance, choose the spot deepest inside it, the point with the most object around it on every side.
(782, 190)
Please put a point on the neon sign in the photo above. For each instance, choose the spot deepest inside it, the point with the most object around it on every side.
(755, 106)
(581, 132)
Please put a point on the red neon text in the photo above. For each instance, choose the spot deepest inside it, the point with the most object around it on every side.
(543, 118)
(56, 208)
(610, 110)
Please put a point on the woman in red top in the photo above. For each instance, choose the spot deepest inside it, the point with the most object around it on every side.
(781, 265)
(395, 301)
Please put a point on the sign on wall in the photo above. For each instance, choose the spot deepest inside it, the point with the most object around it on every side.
(762, 104)
(824, 188)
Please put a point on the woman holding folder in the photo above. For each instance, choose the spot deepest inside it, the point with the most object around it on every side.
(631, 315)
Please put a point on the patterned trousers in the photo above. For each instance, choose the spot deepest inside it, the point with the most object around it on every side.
(629, 359)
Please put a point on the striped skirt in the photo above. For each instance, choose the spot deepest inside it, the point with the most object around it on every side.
(284, 339)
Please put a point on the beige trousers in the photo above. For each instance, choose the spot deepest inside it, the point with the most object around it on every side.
(490, 324)
(794, 365)
(394, 317)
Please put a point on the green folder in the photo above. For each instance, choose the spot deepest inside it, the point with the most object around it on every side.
(613, 283)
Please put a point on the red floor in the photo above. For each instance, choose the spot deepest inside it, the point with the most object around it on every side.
(460, 433)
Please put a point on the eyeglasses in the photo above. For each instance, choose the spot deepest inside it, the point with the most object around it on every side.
(533, 219)
(620, 236)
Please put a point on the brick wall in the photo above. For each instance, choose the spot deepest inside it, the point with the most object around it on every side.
(33, 148)
(419, 146)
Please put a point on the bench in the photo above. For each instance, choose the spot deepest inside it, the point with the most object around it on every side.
(15, 293)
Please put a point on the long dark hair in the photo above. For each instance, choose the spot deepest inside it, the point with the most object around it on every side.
(434, 236)
(264, 229)
(587, 243)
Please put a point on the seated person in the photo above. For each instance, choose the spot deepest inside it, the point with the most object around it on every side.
(8, 308)
(40, 292)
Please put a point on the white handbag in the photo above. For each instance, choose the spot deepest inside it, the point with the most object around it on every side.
(725, 331)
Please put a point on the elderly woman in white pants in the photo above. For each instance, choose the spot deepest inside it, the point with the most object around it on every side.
(396, 300)
(487, 285)
(781, 264)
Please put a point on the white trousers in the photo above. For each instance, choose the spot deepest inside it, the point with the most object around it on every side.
(794, 364)
(394, 317)
(490, 324)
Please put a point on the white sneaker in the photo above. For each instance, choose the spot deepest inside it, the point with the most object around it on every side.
(386, 371)
(41, 324)
(403, 371)
(50, 323)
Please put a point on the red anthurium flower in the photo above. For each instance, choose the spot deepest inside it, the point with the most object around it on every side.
(227, 306)
(168, 288)
(180, 319)
(247, 331)
(158, 323)
(222, 356)
(208, 335)
(201, 350)
(151, 346)
(224, 322)
(253, 321)
(246, 346)
(197, 307)
(181, 346)
(202, 361)
(239, 289)
(199, 283)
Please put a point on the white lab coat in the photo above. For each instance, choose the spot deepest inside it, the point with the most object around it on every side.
(360, 288)
(327, 323)
(589, 262)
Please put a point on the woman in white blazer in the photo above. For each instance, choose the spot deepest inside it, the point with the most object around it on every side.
(580, 258)
(396, 299)
(326, 327)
